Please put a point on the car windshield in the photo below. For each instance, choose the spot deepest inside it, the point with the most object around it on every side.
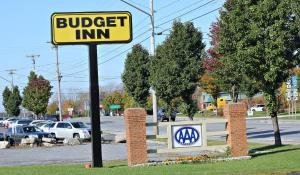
(40, 124)
(31, 129)
(26, 122)
(79, 125)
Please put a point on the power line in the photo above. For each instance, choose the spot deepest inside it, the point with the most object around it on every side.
(180, 10)
(194, 18)
(107, 60)
(23, 68)
(168, 5)
(138, 4)
(207, 3)
(5, 79)
(81, 63)
(121, 52)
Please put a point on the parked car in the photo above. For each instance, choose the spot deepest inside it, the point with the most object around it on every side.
(211, 107)
(258, 107)
(1, 121)
(39, 122)
(161, 115)
(62, 130)
(45, 126)
(7, 123)
(53, 118)
(1, 137)
(21, 122)
(17, 133)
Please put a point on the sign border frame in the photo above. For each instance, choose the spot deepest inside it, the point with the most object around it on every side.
(91, 42)
(201, 135)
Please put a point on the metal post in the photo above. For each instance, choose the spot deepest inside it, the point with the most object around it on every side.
(289, 110)
(58, 81)
(94, 106)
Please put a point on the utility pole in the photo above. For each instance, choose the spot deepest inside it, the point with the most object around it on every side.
(58, 81)
(33, 57)
(11, 72)
(152, 53)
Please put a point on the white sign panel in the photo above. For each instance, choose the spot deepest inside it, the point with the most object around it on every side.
(250, 113)
(186, 136)
(295, 93)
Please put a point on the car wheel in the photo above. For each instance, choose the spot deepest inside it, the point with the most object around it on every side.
(53, 135)
(10, 140)
(76, 136)
(253, 110)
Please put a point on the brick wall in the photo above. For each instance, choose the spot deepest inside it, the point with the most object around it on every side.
(135, 120)
(236, 127)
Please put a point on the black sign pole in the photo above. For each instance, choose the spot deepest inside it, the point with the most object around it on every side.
(94, 106)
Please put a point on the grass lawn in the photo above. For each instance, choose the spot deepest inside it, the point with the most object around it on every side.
(277, 160)
(297, 117)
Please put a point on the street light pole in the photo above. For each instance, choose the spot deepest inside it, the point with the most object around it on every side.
(152, 53)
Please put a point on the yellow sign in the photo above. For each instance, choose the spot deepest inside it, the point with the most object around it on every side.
(91, 27)
(221, 102)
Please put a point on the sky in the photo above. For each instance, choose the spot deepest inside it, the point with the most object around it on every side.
(26, 29)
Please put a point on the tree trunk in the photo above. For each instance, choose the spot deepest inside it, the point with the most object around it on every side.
(235, 93)
(276, 129)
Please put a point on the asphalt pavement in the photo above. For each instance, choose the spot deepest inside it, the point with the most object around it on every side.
(258, 130)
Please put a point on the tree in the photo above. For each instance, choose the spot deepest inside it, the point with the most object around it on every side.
(114, 98)
(37, 94)
(52, 108)
(209, 84)
(12, 101)
(68, 104)
(176, 68)
(261, 39)
(129, 102)
(5, 95)
(136, 73)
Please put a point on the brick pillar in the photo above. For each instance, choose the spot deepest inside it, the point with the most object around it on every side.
(236, 127)
(135, 120)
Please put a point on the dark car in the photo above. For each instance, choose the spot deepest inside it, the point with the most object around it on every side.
(21, 122)
(53, 118)
(161, 115)
(1, 137)
(16, 134)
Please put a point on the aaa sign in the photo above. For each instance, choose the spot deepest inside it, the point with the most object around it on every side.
(91, 27)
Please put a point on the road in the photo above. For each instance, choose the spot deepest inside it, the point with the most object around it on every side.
(257, 131)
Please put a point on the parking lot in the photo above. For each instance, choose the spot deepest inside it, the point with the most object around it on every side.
(257, 130)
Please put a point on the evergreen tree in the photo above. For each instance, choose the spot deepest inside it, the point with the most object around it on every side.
(12, 101)
(5, 95)
(136, 75)
(176, 67)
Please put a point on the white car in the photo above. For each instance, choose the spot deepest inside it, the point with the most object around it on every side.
(8, 122)
(45, 127)
(1, 121)
(62, 130)
(258, 107)
(34, 122)
(21, 122)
